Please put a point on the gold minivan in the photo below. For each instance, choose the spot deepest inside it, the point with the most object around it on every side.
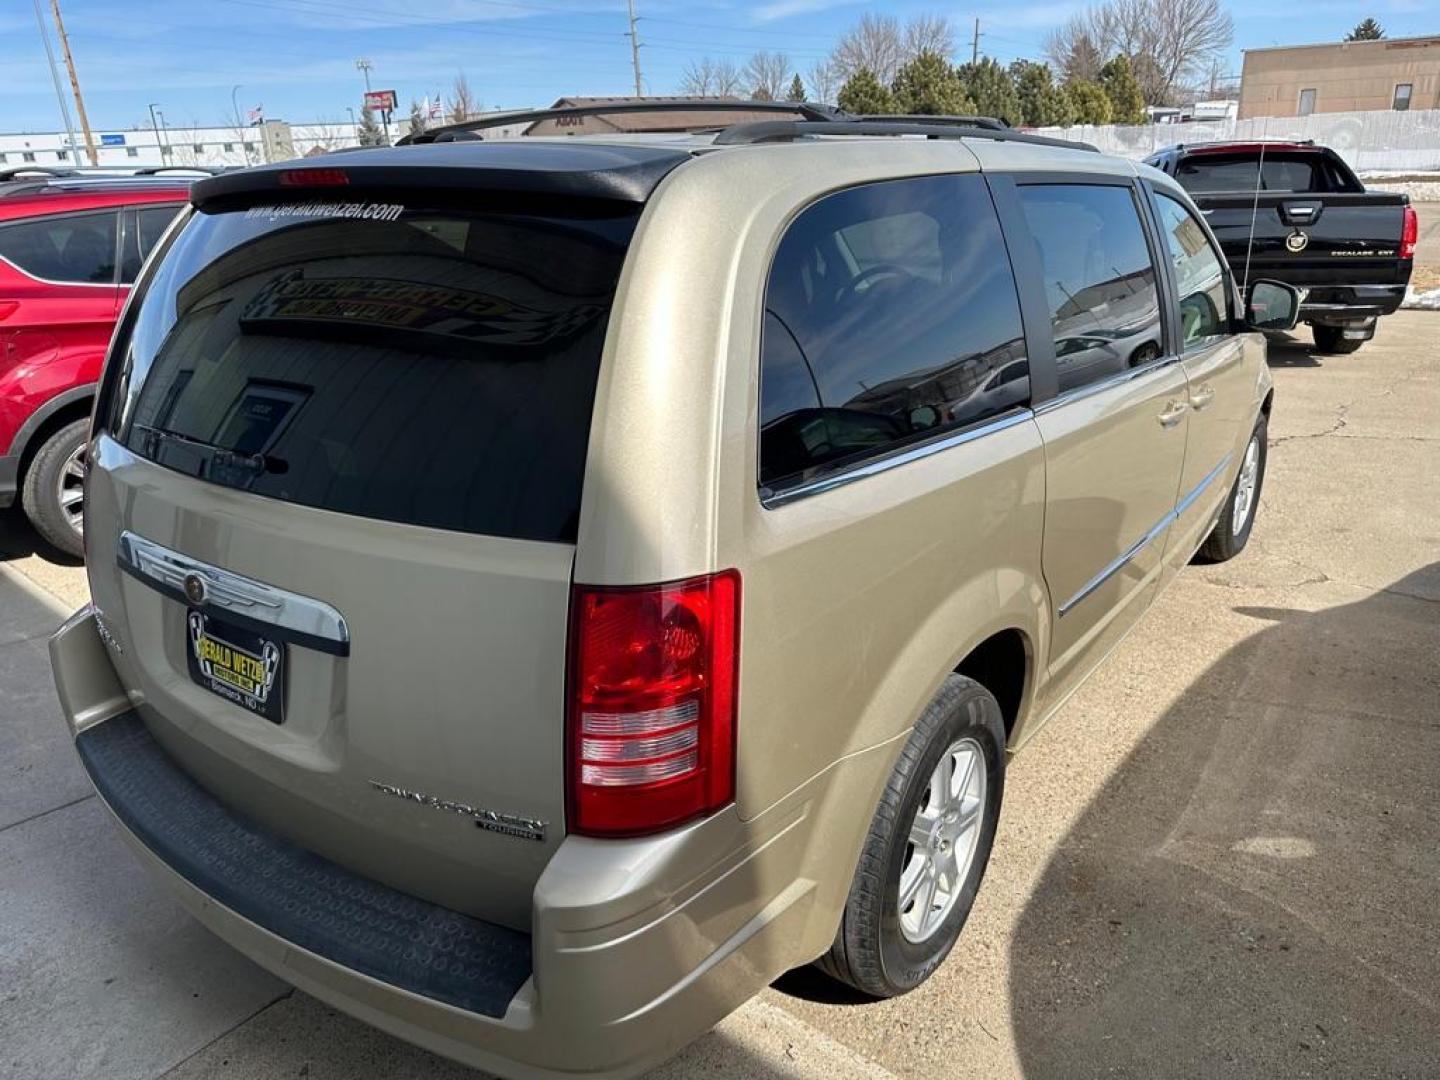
(544, 589)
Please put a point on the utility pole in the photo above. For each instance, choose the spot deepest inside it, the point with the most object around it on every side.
(975, 45)
(634, 36)
(75, 84)
(155, 127)
(55, 77)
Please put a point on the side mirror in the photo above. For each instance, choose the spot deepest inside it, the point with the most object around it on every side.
(1272, 305)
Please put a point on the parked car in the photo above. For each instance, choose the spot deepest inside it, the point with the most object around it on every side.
(69, 249)
(545, 589)
(1303, 217)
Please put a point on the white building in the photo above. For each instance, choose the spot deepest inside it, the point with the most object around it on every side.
(272, 140)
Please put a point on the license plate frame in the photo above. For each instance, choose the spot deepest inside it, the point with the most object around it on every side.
(244, 666)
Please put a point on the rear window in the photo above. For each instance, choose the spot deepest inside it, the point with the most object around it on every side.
(71, 249)
(1218, 174)
(430, 367)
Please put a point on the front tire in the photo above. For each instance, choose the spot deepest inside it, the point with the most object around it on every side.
(1237, 517)
(1332, 339)
(53, 493)
(927, 847)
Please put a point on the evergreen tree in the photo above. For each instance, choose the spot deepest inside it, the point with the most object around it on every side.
(1366, 29)
(1041, 102)
(797, 88)
(370, 133)
(1127, 105)
(1088, 102)
(991, 90)
(417, 118)
(864, 93)
(928, 85)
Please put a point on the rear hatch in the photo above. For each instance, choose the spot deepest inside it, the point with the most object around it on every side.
(333, 506)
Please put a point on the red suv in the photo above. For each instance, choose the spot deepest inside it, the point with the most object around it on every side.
(69, 249)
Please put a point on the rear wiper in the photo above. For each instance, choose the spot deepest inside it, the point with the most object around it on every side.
(219, 457)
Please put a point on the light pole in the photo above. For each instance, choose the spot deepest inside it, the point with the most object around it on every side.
(364, 65)
(155, 126)
(354, 126)
(239, 128)
(55, 77)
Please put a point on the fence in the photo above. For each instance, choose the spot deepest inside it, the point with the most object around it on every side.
(1368, 141)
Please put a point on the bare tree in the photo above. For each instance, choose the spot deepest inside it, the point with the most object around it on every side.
(1169, 42)
(729, 79)
(698, 78)
(929, 34)
(765, 75)
(463, 102)
(822, 82)
(873, 44)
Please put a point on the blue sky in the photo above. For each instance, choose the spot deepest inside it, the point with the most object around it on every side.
(297, 57)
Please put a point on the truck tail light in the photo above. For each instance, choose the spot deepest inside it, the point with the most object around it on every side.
(652, 675)
(1409, 233)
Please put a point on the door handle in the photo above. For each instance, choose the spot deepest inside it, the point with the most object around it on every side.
(1202, 397)
(1173, 414)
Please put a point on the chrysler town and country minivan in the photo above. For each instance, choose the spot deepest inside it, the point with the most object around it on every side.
(543, 590)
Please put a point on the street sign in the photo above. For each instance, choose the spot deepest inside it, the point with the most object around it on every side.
(384, 100)
(112, 140)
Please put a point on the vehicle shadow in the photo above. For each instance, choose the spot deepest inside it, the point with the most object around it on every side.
(1253, 892)
(1290, 351)
(19, 540)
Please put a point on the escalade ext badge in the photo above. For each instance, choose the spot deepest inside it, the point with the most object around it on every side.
(492, 820)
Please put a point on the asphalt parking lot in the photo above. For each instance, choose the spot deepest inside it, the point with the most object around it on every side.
(1219, 861)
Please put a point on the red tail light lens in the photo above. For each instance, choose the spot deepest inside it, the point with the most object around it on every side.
(313, 178)
(1409, 233)
(652, 704)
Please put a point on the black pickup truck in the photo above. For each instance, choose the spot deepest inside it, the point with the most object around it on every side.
(1349, 251)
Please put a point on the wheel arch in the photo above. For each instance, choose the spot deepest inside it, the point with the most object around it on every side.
(1003, 664)
(64, 408)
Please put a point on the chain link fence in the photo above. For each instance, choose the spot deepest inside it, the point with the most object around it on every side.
(1368, 141)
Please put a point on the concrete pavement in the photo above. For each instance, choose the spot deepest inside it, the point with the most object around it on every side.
(1218, 861)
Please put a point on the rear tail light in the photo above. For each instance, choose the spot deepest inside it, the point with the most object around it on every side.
(1409, 233)
(651, 739)
(313, 178)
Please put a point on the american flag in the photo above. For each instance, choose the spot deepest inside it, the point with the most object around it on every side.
(256, 114)
(434, 109)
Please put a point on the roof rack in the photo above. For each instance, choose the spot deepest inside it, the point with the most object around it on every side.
(767, 131)
(18, 172)
(991, 122)
(157, 170)
(469, 129)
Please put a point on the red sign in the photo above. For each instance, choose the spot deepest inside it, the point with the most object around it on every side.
(384, 100)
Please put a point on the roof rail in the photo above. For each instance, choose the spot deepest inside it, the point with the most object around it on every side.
(991, 122)
(156, 170)
(766, 131)
(36, 171)
(469, 129)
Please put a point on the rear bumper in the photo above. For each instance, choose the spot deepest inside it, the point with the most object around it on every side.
(9, 479)
(1339, 304)
(637, 946)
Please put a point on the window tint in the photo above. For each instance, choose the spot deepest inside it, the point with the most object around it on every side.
(72, 248)
(430, 367)
(151, 223)
(1216, 173)
(1099, 280)
(1199, 275)
(891, 315)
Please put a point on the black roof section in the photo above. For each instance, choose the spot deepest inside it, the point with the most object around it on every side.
(611, 172)
(933, 127)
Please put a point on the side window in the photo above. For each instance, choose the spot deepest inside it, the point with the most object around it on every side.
(1099, 280)
(1199, 275)
(891, 315)
(151, 223)
(70, 248)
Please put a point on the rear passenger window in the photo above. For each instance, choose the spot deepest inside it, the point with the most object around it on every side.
(1199, 275)
(68, 248)
(1099, 280)
(891, 316)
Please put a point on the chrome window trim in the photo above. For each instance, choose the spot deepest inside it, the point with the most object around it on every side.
(1155, 532)
(770, 500)
(1107, 383)
(233, 594)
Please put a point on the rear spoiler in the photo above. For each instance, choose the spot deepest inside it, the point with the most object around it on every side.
(591, 171)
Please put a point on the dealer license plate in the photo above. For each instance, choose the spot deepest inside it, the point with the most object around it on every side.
(242, 666)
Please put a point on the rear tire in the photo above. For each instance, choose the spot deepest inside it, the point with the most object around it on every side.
(1237, 516)
(53, 489)
(885, 948)
(1332, 339)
